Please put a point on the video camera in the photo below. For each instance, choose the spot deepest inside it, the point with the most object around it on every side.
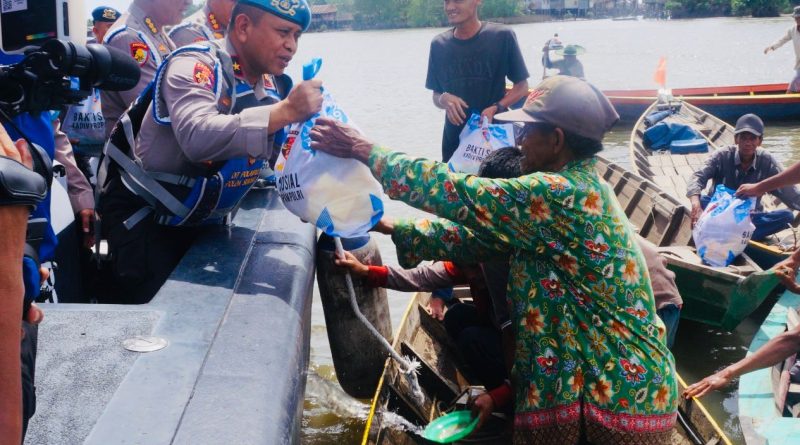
(50, 34)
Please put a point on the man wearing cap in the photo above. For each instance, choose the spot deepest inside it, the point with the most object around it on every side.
(208, 23)
(102, 19)
(590, 365)
(569, 65)
(140, 33)
(214, 115)
(791, 34)
(744, 163)
(467, 69)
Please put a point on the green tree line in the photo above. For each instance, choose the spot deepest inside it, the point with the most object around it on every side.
(715, 8)
(413, 13)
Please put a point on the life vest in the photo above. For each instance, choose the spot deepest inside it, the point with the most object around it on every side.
(179, 200)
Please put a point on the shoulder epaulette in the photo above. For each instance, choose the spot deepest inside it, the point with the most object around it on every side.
(111, 35)
(178, 27)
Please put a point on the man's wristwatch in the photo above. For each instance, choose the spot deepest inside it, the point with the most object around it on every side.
(500, 107)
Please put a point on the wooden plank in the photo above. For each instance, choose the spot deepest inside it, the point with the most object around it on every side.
(679, 160)
(685, 172)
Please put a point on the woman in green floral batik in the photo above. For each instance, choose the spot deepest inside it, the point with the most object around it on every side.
(591, 363)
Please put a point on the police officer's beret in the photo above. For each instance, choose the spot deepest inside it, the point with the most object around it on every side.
(295, 11)
(105, 14)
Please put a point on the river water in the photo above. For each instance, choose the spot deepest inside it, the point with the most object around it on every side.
(378, 77)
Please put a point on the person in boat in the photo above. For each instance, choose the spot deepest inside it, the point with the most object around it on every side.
(591, 361)
(744, 163)
(214, 113)
(774, 351)
(208, 23)
(140, 33)
(467, 69)
(569, 65)
(550, 45)
(482, 331)
(793, 34)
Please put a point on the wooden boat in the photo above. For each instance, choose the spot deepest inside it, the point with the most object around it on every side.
(717, 296)
(672, 172)
(769, 101)
(769, 405)
(445, 385)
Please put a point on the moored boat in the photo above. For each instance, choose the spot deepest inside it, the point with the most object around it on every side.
(769, 101)
(717, 296)
(446, 383)
(769, 404)
(672, 171)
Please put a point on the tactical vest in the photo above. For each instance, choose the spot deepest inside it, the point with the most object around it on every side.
(179, 200)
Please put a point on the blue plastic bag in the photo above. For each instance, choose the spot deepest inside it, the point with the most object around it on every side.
(724, 229)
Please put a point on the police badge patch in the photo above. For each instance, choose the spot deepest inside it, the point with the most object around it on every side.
(203, 76)
(140, 52)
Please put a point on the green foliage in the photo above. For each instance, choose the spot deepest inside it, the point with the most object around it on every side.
(758, 8)
(500, 8)
(425, 13)
(698, 8)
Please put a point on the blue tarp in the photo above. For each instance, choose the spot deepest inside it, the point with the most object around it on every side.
(678, 138)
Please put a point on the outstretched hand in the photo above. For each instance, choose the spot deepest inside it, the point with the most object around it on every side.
(482, 408)
(786, 271)
(351, 262)
(748, 190)
(710, 383)
(340, 140)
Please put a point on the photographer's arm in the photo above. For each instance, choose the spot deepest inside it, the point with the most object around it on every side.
(81, 196)
(13, 220)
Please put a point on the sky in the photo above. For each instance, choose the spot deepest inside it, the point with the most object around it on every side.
(120, 5)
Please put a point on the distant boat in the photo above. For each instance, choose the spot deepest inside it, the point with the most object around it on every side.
(769, 101)
(626, 17)
(769, 404)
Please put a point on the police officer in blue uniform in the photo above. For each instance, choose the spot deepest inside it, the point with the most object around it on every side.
(203, 139)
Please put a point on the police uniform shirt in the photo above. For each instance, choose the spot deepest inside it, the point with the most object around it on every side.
(200, 26)
(80, 192)
(200, 130)
(138, 35)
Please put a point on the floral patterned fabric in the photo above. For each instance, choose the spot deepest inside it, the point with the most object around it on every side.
(590, 353)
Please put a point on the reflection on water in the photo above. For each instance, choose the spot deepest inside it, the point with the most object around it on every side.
(379, 76)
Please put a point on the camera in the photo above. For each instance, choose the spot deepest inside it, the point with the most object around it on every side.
(57, 69)
(41, 81)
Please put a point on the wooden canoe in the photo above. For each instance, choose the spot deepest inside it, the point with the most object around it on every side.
(445, 383)
(672, 172)
(769, 405)
(769, 101)
(717, 296)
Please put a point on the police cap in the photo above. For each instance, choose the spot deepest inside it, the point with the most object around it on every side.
(105, 14)
(295, 11)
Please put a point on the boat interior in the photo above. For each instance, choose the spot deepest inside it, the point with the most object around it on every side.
(787, 393)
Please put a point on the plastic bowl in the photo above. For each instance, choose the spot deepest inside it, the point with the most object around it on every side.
(450, 427)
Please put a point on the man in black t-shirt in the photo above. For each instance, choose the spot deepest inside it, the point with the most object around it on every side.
(467, 69)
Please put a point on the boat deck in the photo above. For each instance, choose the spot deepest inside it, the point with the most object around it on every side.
(236, 315)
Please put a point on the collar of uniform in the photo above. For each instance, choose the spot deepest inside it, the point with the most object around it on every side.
(258, 89)
(737, 160)
(213, 23)
(142, 17)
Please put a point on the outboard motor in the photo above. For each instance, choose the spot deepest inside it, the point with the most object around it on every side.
(358, 356)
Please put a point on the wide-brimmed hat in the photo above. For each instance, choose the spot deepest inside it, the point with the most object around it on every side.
(569, 103)
(571, 50)
(796, 11)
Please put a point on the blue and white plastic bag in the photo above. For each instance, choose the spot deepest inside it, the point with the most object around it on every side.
(477, 140)
(724, 229)
(339, 195)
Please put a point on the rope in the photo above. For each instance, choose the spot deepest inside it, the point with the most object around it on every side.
(409, 367)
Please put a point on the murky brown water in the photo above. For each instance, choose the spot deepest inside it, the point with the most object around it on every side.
(379, 77)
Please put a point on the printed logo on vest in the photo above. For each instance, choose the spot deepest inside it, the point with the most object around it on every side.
(203, 76)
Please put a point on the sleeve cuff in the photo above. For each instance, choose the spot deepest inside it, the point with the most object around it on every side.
(82, 201)
(377, 276)
(501, 396)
